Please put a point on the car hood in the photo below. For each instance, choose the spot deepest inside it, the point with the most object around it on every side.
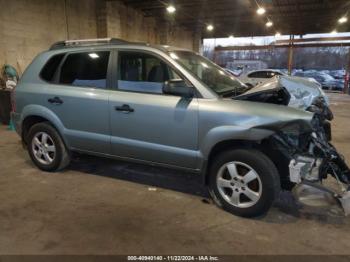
(259, 115)
(297, 92)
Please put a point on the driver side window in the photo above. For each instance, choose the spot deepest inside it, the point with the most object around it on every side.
(141, 72)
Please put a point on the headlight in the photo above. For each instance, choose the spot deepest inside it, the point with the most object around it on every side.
(320, 107)
(297, 134)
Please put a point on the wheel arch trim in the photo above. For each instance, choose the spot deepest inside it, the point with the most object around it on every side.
(45, 113)
(231, 133)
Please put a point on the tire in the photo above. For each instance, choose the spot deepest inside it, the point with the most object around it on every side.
(50, 156)
(262, 190)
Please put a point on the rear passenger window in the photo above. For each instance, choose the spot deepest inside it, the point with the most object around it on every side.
(49, 70)
(85, 69)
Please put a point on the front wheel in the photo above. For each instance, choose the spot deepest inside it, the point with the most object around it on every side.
(244, 182)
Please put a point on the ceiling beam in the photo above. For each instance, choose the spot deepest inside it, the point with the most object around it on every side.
(260, 47)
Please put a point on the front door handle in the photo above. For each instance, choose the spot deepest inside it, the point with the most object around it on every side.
(124, 108)
(56, 100)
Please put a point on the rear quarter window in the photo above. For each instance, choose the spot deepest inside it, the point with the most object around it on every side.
(50, 68)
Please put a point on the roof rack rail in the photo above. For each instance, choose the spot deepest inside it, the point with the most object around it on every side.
(87, 42)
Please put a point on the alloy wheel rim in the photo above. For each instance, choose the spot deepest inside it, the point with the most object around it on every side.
(239, 184)
(43, 148)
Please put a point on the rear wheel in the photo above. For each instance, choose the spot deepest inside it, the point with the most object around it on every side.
(244, 182)
(46, 148)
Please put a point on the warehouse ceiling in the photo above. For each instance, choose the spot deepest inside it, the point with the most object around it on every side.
(240, 18)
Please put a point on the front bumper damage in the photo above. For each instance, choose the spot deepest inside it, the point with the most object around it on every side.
(321, 160)
(310, 157)
(306, 170)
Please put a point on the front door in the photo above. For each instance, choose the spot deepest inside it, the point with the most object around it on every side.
(147, 124)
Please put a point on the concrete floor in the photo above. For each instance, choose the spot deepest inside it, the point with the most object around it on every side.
(100, 206)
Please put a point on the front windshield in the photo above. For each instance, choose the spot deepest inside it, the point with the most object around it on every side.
(209, 73)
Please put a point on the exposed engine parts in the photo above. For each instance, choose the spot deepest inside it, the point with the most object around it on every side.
(315, 158)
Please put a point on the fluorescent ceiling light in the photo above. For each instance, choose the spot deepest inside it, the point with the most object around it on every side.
(261, 11)
(342, 20)
(171, 9)
(231, 37)
(277, 34)
(210, 27)
(269, 24)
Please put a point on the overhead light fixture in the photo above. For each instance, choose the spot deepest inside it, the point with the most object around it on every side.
(261, 11)
(278, 34)
(231, 37)
(334, 32)
(171, 9)
(342, 20)
(210, 27)
(94, 55)
(269, 24)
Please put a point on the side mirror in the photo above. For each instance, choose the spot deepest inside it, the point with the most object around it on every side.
(177, 87)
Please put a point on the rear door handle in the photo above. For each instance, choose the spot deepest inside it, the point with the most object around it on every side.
(56, 100)
(124, 108)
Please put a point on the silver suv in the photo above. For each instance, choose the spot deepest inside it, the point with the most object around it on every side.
(170, 107)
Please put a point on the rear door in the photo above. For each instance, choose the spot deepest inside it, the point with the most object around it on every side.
(78, 95)
(147, 124)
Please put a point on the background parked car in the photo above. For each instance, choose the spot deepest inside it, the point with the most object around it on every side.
(338, 74)
(327, 81)
(254, 78)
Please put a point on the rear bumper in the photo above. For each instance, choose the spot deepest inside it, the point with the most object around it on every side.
(15, 117)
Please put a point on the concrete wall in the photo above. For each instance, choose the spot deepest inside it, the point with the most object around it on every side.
(28, 27)
(127, 23)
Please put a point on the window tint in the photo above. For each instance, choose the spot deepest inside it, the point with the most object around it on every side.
(259, 74)
(141, 72)
(85, 69)
(272, 74)
(49, 70)
(264, 74)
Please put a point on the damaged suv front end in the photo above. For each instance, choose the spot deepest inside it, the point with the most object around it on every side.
(312, 158)
(293, 92)
(294, 110)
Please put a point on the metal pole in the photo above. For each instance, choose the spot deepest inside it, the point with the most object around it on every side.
(214, 55)
(347, 76)
(66, 18)
(290, 55)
